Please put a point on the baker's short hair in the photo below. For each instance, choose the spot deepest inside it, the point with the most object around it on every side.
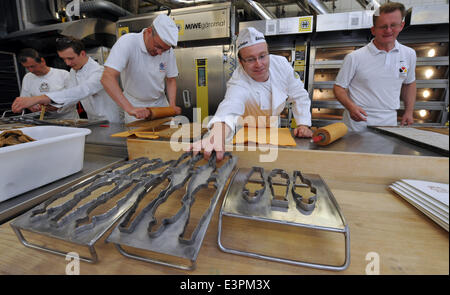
(388, 8)
(26, 53)
(69, 42)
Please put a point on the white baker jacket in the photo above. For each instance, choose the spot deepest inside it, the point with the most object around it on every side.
(245, 98)
(85, 86)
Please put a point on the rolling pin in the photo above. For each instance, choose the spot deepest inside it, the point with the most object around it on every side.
(160, 112)
(328, 134)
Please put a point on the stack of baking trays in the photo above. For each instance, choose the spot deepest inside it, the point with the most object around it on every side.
(159, 211)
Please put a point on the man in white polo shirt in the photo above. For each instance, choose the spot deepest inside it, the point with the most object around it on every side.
(259, 88)
(144, 61)
(372, 79)
(42, 79)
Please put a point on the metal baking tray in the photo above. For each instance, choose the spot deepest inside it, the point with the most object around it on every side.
(169, 238)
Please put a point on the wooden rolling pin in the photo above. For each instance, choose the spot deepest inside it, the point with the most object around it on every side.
(329, 134)
(161, 112)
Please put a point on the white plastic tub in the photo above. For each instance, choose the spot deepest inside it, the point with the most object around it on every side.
(56, 153)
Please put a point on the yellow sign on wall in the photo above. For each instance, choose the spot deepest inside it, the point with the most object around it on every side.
(122, 31)
(305, 24)
(180, 26)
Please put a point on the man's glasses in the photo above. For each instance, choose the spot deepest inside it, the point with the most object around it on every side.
(392, 27)
(252, 60)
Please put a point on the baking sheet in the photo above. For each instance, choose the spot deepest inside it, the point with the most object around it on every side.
(431, 140)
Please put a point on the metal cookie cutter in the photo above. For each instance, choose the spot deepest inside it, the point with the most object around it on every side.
(284, 203)
(71, 221)
(311, 203)
(325, 215)
(170, 238)
(249, 197)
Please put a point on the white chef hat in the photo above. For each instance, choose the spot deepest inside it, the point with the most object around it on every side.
(166, 29)
(248, 37)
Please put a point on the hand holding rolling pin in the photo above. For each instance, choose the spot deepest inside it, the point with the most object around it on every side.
(303, 131)
(139, 113)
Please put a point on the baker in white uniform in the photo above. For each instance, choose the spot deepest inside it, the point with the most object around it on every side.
(144, 61)
(260, 87)
(84, 85)
(372, 79)
(42, 79)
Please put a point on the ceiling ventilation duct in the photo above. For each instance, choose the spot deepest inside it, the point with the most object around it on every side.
(183, 3)
(369, 4)
(318, 6)
(103, 9)
(262, 12)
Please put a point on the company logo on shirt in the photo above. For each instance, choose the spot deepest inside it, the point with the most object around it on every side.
(162, 67)
(403, 70)
(44, 87)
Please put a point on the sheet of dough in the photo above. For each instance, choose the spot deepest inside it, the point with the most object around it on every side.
(262, 136)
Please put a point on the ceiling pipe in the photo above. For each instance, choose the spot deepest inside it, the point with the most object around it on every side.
(318, 6)
(101, 5)
(369, 4)
(304, 7)
(262, 12)
(182, 3)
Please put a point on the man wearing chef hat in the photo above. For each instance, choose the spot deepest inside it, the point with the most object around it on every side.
(373, 78)
(260, 87)
(144, 61)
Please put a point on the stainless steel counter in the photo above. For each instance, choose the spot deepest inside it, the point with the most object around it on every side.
(370, 141)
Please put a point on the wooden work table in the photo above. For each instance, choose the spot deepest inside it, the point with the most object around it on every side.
(406, 241)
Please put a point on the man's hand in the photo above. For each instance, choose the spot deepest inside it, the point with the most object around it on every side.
(35, 108)
(214, 141)
(21, 103)
(357, 114)
(139, 113)
(177, 109)
(303, 131)
(407, 119)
